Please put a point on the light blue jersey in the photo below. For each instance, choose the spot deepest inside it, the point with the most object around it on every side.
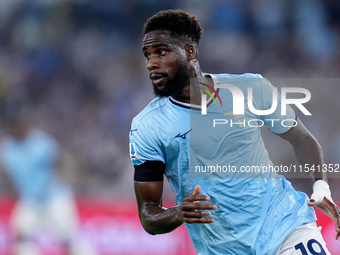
(255, 214)
(30, 164)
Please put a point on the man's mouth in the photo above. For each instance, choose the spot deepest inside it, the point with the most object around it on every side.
(157, 79)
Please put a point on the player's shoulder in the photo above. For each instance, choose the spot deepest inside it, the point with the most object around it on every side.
(237, 76)
(242, 81)
(152, 110)
(38, 134)
(42, 139)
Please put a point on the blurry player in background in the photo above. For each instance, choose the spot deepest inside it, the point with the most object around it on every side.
(229, 215)
(29, 157)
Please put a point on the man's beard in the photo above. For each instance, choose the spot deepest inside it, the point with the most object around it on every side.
(175, 85)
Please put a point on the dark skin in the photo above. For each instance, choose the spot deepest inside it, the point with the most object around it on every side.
(308, 150)
(164, 54)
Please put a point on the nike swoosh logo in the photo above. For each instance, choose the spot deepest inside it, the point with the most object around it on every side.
(183, 136)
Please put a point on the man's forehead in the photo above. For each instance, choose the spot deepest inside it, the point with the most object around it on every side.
(159, 36)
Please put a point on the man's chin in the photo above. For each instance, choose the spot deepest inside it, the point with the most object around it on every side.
(161, 90)
(161, 93)
(171, 87)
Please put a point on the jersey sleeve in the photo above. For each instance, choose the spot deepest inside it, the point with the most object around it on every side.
(277, 122)
(144, 145)
(145, 154)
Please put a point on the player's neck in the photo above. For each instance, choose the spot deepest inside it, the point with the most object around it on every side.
(192, 93)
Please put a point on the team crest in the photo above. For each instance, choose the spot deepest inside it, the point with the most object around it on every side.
(240, 121)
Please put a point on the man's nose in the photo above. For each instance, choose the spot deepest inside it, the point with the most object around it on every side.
(152, 63)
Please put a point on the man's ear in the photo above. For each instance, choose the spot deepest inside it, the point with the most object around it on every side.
(191, 52)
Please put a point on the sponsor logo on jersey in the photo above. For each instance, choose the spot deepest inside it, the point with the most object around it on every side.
(183, 136)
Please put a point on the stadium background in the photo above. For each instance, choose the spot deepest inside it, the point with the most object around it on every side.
(77, 66)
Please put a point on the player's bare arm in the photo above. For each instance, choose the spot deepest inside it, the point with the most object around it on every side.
(159, 220)
(308, 150)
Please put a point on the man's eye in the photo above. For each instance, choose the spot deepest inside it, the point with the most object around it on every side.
(147, 55)
(162, 52)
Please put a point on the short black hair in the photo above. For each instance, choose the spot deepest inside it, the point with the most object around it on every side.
(177, 22)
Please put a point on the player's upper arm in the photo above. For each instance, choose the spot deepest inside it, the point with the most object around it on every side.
(276, 121)
(144, 144)
(148, 160)
(296, 134)
(148, 193)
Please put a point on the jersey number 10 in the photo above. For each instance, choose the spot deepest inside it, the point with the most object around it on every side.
(310, 247)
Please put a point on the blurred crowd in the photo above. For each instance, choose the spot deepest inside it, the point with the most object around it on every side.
(77, 67)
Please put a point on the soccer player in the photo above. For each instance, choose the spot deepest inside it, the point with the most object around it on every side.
(29, 157)
(227, 214)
